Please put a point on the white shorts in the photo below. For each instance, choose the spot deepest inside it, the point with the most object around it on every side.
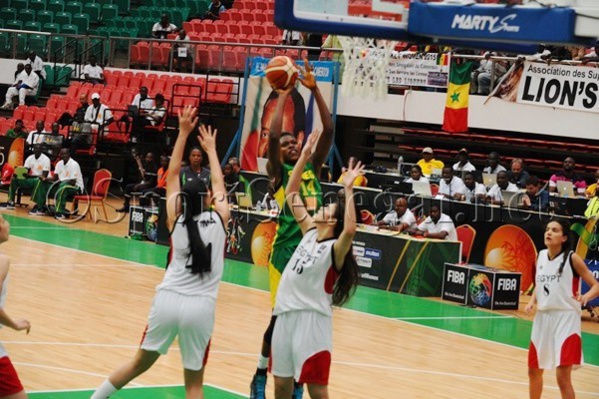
(555, 340)
(302, 343)
(3, 351)
(190, 317)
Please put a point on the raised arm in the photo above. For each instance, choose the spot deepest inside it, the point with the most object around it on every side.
(187, 122)
(207, 139)
(344, 242)
(292, 191)
(274, 165)
(5, 319)
(326, 138)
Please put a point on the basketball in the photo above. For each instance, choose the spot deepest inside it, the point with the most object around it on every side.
(281, 72)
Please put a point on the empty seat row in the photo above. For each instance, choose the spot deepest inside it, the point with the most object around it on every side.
(247, 15)
(224, 27)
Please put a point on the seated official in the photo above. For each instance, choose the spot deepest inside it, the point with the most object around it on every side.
(96, 117)
(451, 186)
(36, 136)
(400, 219)
(38, 166)
(463, 164)
(148, 172)
(568, 174)
(67, 180)
(26, 84)
(493, 165)
(67, 119)
(494, 196)
(19, 131)
(416, 175)
(359, 181)
(475, 192)
(591, 190)
(536, 197)
(438, 225)
(428, 163)
(161, 29)
(517, 175)
(160, 189)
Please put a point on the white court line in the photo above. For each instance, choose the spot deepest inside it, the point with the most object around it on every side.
(42, 366)
(142, 387)
(40, 228)
(452, 318)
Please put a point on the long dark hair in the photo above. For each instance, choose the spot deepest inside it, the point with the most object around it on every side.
(346, 284)
(567, 245)
(194, 193)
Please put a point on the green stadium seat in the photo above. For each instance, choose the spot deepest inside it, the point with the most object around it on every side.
(51, 28)
(123, 5)
(74, 7)
(55, 6)
(57, 50)
(96, 50)
(202, 7)
(110, 11)
(33, 26)
(69, 29)
(179, 15)
(63, 18)
(49, 75)
(93, 9)
(39, 44)
(82, 22)
(4, 47)
(156, 12)
(143, 12)
(103, 31)
(130, 23)
(22, 48)
(102, 2)
(64, 76)
(20, 4)
(26, 16)
(37, 5)
(45, 17)
(1, 24)
(14, 24)
(8, 13)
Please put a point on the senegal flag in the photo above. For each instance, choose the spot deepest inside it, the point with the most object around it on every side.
(455, 119)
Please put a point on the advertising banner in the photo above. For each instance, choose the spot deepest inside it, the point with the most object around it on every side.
(408, 68)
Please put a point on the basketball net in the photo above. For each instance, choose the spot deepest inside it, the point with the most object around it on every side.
(366, 65)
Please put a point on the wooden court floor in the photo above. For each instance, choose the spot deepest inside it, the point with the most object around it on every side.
(88, 308)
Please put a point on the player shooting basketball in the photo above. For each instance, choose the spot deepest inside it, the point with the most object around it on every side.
(283, 152)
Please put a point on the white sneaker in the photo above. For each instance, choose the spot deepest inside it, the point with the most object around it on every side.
(7, 106)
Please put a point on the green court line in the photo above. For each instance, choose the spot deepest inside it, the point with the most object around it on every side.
(162, 392)
(509, 331)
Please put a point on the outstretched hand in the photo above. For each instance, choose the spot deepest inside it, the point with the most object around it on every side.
(352, 172)
(22, 324)
(187, 120)
(306, 76)
(311, 142)
(207, 138)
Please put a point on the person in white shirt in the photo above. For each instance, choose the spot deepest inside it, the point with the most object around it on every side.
(183, 50)
(438, 225)
(161, 29)
(493, 164)
(185, 300)
(36, 136)
(291, 38)
(27, 84)
(36, 64)
(97, 115)
(416, 175)
(142, 101)
(152, 116)
(494, 195)
(400, 219)
(66, 181)
(474, 191)
(38, 165)
(451, 186)
(93, 72)
(463, 164)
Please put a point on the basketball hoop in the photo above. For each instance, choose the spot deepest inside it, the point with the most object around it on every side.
(366, 65)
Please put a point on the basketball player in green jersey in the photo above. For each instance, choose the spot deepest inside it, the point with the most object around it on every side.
(283, 151)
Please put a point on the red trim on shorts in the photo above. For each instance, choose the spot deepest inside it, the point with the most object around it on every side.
(316, 368)
(330, 279)
(571, 353)
(206, 352)
(9, 381)
(143, 336)
(575, 285)
(533, 359)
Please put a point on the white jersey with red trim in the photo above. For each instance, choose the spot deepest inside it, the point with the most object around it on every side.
(309, 277)
(555, 291)
(178, 277)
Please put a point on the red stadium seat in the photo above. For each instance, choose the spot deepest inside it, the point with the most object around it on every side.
(19, 112)
(29, 115)
(123, 81)
(51, 103)
(135, 82)
(72, 91)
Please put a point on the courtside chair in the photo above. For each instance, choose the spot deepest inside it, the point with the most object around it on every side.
(466, 235)
(97, 199)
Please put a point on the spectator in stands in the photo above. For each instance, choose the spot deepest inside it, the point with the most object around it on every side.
(495, 196)
(66, 181)
(67, 119)
(591, 190)
(313, 40)
(400, 219)
(536, 198)
(577, 53)
(360, 181)
(493, 165)
(291, 38)
(463, 164)
(160, 189)
(38, 166)
(195, 170)
(151, 117)
(20, 68)
(36, 64)
(36, 136)
(438, 225)
(475, 192)
(97, 116)
(216, 7)
(428, 163)
(593, 56)
(27, 84)
(416, 175)
(161, 29)
(234, 162)
(488, 71)
(93, 72)
(148, 174)
(19, 131)
(183, 51)
(517, 174)
(142, 101)
(332, 42)
(568, 174)
(231, 178)
(451, 186)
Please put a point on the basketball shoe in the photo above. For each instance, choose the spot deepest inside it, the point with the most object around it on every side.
(258, 387)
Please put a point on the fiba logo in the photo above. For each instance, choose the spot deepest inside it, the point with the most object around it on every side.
(480, 289)
(137, 217)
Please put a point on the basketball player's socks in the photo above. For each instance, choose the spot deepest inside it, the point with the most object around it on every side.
(105, 390)
(262, 364)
